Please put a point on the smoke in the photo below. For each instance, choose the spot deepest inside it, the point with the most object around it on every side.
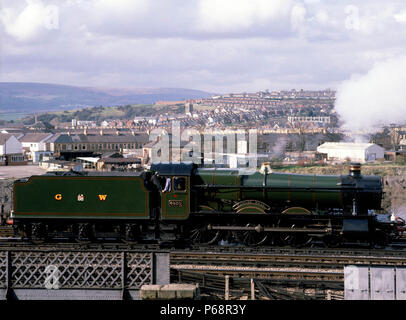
(279, 147)
(368, 102)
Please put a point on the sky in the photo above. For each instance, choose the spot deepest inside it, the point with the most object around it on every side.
(219, 46)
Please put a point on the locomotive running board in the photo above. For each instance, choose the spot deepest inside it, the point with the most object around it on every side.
(260, 228)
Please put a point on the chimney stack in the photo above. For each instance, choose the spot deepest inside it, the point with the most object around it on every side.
(355, 169)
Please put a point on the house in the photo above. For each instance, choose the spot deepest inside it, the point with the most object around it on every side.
(360, 152)
(34, 144)
(402, 140)
(75, 145)
(11, 150)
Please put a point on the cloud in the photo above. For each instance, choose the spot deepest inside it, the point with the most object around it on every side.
(235, 15)
(225, 46)
(400, 17)
(31, 22)
(298, 17)
(376, 98)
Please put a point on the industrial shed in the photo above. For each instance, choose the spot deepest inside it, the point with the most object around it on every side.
(360, 152)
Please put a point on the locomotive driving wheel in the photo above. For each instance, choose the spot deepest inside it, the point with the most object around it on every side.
(251, 238)
(294, 239)
(201, 234)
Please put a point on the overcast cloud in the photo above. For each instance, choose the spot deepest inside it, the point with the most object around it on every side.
(213, 45)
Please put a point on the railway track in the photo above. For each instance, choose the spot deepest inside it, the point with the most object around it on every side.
(267, 273)
(303, 267)
(258, 262)
(306, 259)
(181, 248)
(277, 271)
(6, 232)
(278, 288)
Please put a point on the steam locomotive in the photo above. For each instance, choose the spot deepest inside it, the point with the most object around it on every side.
(203, 205)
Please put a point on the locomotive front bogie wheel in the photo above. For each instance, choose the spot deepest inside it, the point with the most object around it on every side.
(332, 241)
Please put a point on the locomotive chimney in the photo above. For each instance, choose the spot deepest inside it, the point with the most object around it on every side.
(265, 168)
(355, 169)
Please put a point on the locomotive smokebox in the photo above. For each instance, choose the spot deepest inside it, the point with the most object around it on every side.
(355, 169)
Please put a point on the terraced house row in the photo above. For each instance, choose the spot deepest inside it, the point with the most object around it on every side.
(17, 148)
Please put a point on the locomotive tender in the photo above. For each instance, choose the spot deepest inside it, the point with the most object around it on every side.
(201, 205)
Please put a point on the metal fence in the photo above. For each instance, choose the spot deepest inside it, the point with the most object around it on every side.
(374, 283)
(80, 274)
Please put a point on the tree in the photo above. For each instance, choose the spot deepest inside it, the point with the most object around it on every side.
(300, 128)
(395, 138)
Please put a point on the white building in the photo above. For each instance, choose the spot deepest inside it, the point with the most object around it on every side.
(360, 152)
(35, 145)
(10, 150)
(235, 160)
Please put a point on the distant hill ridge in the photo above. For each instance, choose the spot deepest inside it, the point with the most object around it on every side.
(42, 97)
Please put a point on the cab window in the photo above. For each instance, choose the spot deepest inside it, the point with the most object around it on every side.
(167, 185)
(179, 184)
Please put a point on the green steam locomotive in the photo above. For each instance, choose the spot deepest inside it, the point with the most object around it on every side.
(202, 205)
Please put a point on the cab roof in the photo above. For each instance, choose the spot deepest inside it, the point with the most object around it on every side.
(173, 169)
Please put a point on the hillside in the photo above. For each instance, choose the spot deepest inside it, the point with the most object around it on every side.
(99, 114)
(42, 97)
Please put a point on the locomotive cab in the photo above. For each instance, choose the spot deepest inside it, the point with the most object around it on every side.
(175, 193)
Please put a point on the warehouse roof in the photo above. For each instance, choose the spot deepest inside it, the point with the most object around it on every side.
(346, 145)
(80, 138)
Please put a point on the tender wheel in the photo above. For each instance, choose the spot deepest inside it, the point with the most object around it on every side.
(38, 232)
(202, 235)
(84, 232)
(131, 233)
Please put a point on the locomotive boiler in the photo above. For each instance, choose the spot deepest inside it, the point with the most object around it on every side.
(201, 205)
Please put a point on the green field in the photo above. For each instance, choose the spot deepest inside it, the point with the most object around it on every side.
(101, 113)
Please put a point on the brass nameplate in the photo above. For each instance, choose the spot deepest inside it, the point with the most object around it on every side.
(176, 203)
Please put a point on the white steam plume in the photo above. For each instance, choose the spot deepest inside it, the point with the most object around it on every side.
(367, 102)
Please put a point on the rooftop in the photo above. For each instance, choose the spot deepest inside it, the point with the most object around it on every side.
(346, 145)
(35, 137)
